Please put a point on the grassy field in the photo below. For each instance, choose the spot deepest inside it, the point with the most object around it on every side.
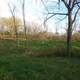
(17, 63)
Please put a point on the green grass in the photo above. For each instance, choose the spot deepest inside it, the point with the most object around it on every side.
(26, 68)
(16, 64)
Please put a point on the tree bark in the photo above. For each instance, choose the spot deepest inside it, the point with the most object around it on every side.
(69, 33)
(16, 36)
(24, 21)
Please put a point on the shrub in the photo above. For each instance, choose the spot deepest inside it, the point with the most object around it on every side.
(58, 51)
(75, 52)
(51, 51)
(76, 36)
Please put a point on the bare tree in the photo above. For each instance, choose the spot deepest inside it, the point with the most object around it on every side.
(33, 27)
(69, 6)
(23, 13)
(22, 9)
(12, 8)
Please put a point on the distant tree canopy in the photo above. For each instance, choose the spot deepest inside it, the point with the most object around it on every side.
(8, 22)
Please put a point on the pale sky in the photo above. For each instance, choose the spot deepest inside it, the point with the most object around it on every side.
(32, 9)
(34, 12)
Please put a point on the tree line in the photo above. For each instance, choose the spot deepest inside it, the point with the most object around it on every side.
(72, 8)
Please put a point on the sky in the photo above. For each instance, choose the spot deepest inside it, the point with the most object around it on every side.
(35, 12)
(31, 9)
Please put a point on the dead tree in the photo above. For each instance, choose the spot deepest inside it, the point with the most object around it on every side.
(23, 13)
(12, 9)
(22, 8)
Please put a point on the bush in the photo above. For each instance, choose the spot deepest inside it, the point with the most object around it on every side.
(51, 51)
(58, 51)
(76, 36)
(75, 52)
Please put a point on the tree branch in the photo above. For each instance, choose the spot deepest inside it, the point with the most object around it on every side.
(44, 6)
(62, 19)
(75, 15)
(53, 14)
(59, 13)
(75, 3)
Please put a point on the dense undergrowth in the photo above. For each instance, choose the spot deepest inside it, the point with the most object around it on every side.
(48, 48)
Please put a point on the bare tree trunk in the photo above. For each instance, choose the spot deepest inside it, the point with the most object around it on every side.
(16, 35)
(24, 22)
(12, 10)
(69, 33)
